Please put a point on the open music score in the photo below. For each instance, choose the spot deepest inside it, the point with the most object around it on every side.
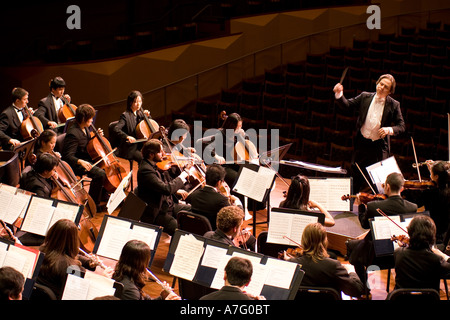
(328, 192)
(200, 260)
(290, 223)
(88, 286)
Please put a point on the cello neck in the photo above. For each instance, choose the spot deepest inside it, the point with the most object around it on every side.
(147, 121)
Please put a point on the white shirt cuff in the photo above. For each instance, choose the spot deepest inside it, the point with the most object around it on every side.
(183, 176)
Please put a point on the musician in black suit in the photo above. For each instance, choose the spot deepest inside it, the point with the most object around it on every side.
(38, 179)
(237, 276)
(75, 152)
(125, 129)
(158, 189)
(363, 254)
(11, 120)
(379, 117)
(49, 106)
(229, 229)
(209, 200)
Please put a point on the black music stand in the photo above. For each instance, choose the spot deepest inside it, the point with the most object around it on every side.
(24, 150)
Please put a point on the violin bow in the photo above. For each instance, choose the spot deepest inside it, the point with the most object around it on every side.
(295, 242)
(386, 216)
(415, 157)
(365, 178)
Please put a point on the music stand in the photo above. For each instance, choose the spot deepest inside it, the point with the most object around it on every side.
(24, 150)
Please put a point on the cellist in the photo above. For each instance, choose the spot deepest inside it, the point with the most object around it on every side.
(11, 120)
(75, 152)
(125, 129)
(48, 107)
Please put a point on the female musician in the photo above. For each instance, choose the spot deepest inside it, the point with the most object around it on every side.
(131, 271)
(322, 271)
(11, 119)
(126, 127)
(419, 265)
(61, 249)
(298, 198)
(75, 152)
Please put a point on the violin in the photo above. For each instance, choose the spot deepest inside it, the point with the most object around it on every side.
(365, 197)
(402, 240)
(146, 128)
(419, 185)
(291, 252)
(100, 150)
(66, 111)
(31, 127)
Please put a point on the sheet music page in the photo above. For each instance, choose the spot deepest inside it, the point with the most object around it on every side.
(61, 213)
(5, 200)
(281, 273)
(16, 207)
(144, 234)
(218, 281)
(76, 288)
(385, 229)
(99, 285)
(38, 216)
(213, 256)
(27, 199)
(17, 261)
(259, 276)
(329, 191)
(30, 256)
(117, 197)
(253, 184)
(73, 208)
(299, 222)
(3, 252)
(8, 188)
(280, 225)
(115, 235)
(187, 257)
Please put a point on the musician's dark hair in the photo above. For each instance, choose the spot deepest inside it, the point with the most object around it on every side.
(214, 174)
(44, 137)
(131, 97)
(396, 181)
(152, 146)
(239, 271)
(11, 283)
(441, 169)
(177, 124)
(231, 122)
(84, 112)
(391, 78)
(297, 196)
(45, 162)
(56, 83)
(315, 241)
(18, 94)
(422, 232)
(133, 262)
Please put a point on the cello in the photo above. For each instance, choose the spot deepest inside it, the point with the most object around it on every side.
(31, 127)
(99, 150)
(66, 111)
(146, 128)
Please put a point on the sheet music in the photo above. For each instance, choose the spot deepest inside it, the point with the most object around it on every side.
(5, 199)
(287, 224)
(187, 257)
(117, 197)
(118, 232)
(379, 171)
(76, 288)
(213, 256)
(99, 285)
(25, 260)
(384, 228)
(329, 191)
(38, 216)
(16, 208)
(281, 273)
(3, 252)
(254, 184)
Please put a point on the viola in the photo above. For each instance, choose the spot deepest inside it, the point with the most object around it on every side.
(147, 128)
(291, 253)
(31, 127)
(100, 150)
(66, 111)
(365, 197)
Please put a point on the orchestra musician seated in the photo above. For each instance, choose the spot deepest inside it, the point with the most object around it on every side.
(229, 229)
(158, 189)
(126, 127)
(213, 196)
(38, 178)
(238, 274)
(320, 269)
(297, 197)
(62, 250)
(362, 252)
(131, 271)
(11, 284)
(48, 107)
(75, 153)
(11, 120)
(420, 264)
